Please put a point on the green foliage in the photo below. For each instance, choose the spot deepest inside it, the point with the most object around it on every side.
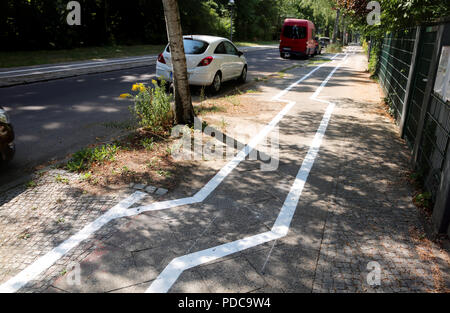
(83, 159)
(41, 24)
(423, 199)
(60, 179)
(31, 184)
(148, 143)
(374, 58)
(395, 14)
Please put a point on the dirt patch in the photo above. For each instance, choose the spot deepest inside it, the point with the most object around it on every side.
(143, 157)
(424, 248)
(146, 158)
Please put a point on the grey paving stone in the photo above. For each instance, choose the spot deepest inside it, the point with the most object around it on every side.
(161, 191)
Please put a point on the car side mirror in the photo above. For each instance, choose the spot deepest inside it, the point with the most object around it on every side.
(240, 53)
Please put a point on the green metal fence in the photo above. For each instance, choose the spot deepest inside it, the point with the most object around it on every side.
(395, 61)
(407, 71)
(419, 82)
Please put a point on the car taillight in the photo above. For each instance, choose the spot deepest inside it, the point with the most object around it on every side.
(161, 59)
(206, 61)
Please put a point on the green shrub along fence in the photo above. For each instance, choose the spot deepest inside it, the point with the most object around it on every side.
(407, 71)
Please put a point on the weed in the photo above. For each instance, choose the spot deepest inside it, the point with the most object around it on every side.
(163, 173)
(152, 107)
(423, 199)
(202, 94)
(31, 184)
(148, 143)
(86, 176)
(83, 159)
(24, 236)
(223, 124)
(60, 179)
(233, 100)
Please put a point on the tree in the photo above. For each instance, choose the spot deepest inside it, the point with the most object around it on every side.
(336, 26)
(184, 112)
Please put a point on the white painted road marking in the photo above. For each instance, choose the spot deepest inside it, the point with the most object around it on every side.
(173, 270)
(69, 67)
(44, 262)
(121, 210)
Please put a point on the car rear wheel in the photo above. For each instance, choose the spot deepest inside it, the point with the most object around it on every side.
(243, 77)
(217, 83)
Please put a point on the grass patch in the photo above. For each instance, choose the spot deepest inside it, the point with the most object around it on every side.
(60, 179)
(126, 125)
(318, 61)
(334, 48)
(83, 159)
(28, 58)
(256, 43)
(31, 184)
(201, 109)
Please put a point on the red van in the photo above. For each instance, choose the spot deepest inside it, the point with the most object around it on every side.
(297, 38)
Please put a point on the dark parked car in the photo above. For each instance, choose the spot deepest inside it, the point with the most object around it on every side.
(324, 41)
(318, 46)
(7, 147)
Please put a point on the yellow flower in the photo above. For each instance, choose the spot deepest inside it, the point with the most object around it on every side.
(135, 87)
(154, 82)
(124, 95)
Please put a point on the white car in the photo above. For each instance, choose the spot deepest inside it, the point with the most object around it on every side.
(210, 61)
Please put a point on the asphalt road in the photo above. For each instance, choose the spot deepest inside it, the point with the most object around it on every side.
(56, 118)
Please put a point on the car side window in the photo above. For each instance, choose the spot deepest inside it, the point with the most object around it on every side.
(220, 49)
(230, 48)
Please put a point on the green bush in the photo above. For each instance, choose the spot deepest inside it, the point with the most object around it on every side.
(374, 59)
(83, 159)
(152, 107)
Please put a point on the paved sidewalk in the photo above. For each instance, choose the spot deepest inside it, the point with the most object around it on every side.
(355, 209)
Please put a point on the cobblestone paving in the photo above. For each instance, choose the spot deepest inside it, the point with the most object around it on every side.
(371, 216)
(35, 219)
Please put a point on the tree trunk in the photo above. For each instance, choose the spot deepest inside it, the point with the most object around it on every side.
(336, 25)
(184, 112)
(343, 27)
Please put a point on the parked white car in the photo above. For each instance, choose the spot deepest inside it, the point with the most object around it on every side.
(210, 62)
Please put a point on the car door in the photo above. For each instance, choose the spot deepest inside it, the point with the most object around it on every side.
(225, 61)
(235, 59)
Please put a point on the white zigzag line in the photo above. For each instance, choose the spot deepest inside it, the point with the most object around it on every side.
(173, 270)
(122, 208)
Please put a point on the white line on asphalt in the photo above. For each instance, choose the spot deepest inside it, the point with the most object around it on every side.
(122, 209)
(173, 270)
(76, 66)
